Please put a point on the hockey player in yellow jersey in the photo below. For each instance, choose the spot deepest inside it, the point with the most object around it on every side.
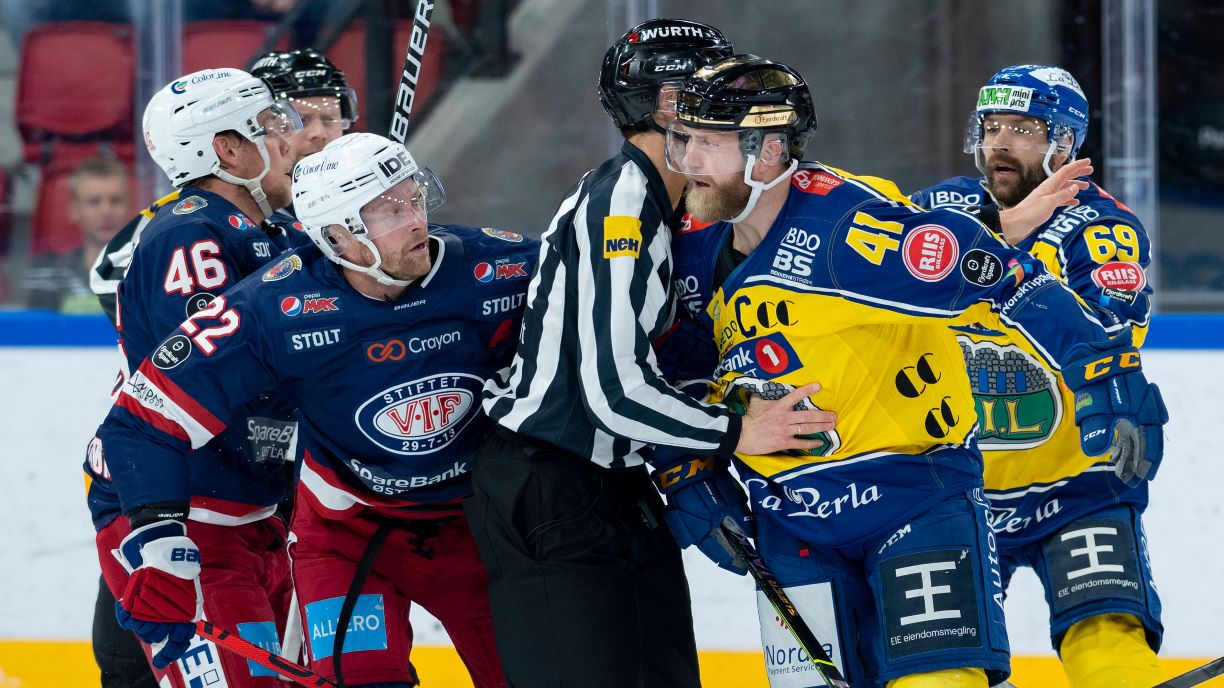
(1073, 517)
(794, 272)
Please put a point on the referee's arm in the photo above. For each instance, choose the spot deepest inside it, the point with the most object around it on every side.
(620, 299)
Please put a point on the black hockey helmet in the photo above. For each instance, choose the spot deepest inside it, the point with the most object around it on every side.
(306, 73)
(651, 53)
(753, 96)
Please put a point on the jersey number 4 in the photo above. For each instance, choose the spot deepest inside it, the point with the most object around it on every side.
(204, 270)
(869, 237)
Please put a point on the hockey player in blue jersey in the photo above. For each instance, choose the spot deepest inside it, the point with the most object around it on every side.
(383, 341)
(321, 96)
(220, 136)
(1075, 518)
(810, 274)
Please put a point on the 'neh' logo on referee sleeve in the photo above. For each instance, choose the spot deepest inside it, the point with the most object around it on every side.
(622, 236)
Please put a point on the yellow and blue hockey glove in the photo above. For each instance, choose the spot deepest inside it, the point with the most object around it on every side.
(1117, 410)
(700, 493)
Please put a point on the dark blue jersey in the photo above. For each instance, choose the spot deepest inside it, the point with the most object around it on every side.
(196, 247)
(387, 392)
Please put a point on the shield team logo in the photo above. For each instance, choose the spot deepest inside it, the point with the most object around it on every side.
(502, 234)
(283, 269)
(189, 205)
(483, 272)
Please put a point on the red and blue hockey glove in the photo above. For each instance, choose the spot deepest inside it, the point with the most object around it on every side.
(700, 493)
(162, 598)
(1117, 410)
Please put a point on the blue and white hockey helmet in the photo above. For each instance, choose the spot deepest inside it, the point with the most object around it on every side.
(358, 188)
(1049, 94)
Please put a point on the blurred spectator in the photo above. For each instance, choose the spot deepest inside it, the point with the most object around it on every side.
(20, 15)
(99, 206)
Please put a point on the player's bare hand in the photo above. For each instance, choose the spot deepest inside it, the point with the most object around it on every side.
(774, 426)
(1058, 191)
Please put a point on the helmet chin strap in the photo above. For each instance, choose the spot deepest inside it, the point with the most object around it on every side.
(375, 270)
(253, 185)
(759, 187)
(1049, 155)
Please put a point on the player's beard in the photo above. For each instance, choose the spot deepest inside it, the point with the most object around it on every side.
(404, 264)
(1008, 193)
(720, 200)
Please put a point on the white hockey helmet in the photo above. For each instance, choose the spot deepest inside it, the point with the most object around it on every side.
(333, 186)
(182, 119)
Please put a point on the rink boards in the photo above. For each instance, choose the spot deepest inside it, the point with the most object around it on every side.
(57, 376)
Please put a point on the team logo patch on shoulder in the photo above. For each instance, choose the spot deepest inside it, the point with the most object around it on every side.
(930, 252)
(283, 269)
(503, 235)
(981, 268)
(240, 222)
(1120, 276)
(816, 182)
(622, 235)
(189, 205)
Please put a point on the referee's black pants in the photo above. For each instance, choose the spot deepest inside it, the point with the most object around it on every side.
(586, 583)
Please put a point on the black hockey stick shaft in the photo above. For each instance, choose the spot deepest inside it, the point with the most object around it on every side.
(1196, 677)
(265, 658)
(782, 604)
(413, 59)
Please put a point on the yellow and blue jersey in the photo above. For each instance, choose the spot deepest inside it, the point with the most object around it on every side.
(1036, 475)
(856, 287)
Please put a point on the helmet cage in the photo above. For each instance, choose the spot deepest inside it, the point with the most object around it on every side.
(1048, 94)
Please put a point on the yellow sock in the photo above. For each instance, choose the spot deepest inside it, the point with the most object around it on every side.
(1109, 651)
(945, 678)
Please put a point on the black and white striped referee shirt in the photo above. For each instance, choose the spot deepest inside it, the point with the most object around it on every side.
(585, 377)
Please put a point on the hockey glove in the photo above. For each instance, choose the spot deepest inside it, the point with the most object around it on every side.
(1117, 410)
(162, 598)
(700, 492)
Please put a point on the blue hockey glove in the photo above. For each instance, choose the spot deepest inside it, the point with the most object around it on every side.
(700, 492)
(162, 598)
(1117, 410)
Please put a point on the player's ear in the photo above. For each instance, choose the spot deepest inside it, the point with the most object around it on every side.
(773, 150)
(226, 145)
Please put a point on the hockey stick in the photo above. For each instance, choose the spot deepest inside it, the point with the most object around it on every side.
(412, 70)
(265, 658)
(1197, 676)
(782, 604)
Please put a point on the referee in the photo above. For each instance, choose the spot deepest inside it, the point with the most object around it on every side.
(586, 583)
